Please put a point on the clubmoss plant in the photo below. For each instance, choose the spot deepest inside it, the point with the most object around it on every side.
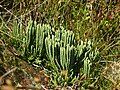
(67, 58)
(31, 41)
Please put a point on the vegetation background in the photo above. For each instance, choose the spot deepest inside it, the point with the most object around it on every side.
(95, 20)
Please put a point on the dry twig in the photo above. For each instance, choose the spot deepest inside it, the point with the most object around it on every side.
(1, 78)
